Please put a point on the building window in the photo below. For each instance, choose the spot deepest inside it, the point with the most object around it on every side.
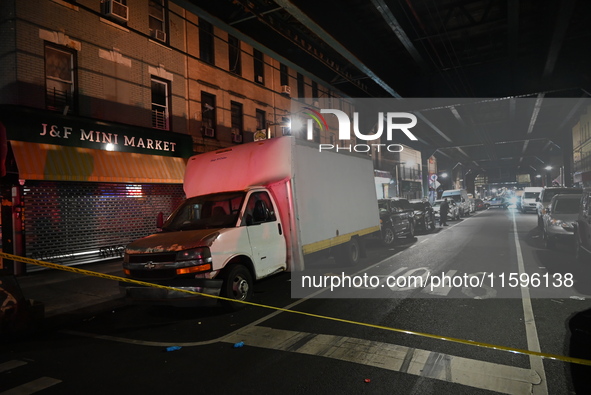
(157, 20)
(237, 122)
(206, 49)
(115, 10)
(314, 89)
(160, 100)
(315, 134)
(301, 86)
(261, 120)
(234, 55)
(283, 75)
(60, 79)
(259, 67)
(208, 120)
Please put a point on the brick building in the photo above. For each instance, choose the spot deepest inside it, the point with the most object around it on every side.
(103, 102)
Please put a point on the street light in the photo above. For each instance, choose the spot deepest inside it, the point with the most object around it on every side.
(548, 181)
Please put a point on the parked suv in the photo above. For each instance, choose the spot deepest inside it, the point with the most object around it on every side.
(546, 195)
(583, 227)
(395, 220)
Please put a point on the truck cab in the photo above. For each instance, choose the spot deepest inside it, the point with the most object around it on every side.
(201, 244)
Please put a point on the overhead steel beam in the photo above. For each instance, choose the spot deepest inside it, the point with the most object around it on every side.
(512, 35)
(564, 15)
(337, 46)
(392, 22)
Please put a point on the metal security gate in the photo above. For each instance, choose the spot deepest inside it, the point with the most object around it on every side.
(73, 223)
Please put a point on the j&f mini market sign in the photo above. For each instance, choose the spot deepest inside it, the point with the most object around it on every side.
(46, 128)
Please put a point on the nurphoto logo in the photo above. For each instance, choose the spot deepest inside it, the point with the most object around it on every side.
(390, 119)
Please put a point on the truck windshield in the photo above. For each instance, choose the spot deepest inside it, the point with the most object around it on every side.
(219, 210)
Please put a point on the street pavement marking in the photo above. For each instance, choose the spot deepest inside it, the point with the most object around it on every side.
(32, 386)
(6, 366)
(477, 374)
(533, 343)
(443, 290)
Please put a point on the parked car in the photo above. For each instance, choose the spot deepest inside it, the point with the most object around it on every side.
(395, 222)
(452, 214)
(559, 219)
(546, 196)
(582, 232)
(479, 204)
(424, 215)
(499, 202)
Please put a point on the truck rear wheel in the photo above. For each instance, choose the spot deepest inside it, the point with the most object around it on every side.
(349, 253)
(237, 285)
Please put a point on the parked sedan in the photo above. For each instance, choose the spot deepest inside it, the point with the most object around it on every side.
(424, 215)
(546, 195)
(453, 213)
(560, 218)
(480, 205)
(499, 202)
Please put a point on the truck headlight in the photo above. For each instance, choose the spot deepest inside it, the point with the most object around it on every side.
(192, 257)
(193, 261)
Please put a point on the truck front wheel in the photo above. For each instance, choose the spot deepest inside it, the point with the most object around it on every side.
(237, 285)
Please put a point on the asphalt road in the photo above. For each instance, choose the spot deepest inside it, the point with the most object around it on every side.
(399, 338)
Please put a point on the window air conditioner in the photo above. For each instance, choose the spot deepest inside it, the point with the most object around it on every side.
(236, 138)
(285, 90)
(260, 79)
(158, 35)
(115, 9)
(209, 132)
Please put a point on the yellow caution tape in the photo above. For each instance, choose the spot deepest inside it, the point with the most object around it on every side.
(555, 357)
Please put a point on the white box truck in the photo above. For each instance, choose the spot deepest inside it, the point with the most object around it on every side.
(253, 210)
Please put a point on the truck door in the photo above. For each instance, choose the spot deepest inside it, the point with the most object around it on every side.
(265, 233)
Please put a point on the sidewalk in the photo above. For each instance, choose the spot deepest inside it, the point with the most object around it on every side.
(64, 292)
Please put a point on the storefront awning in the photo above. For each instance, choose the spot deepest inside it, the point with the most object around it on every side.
(62, 163)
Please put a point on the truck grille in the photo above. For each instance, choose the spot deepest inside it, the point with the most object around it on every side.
(155, 258)
(157, 274)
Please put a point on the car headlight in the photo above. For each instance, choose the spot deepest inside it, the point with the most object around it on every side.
(562, 224)
(568, 226)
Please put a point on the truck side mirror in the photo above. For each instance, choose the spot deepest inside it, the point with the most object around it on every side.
(159, 220)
